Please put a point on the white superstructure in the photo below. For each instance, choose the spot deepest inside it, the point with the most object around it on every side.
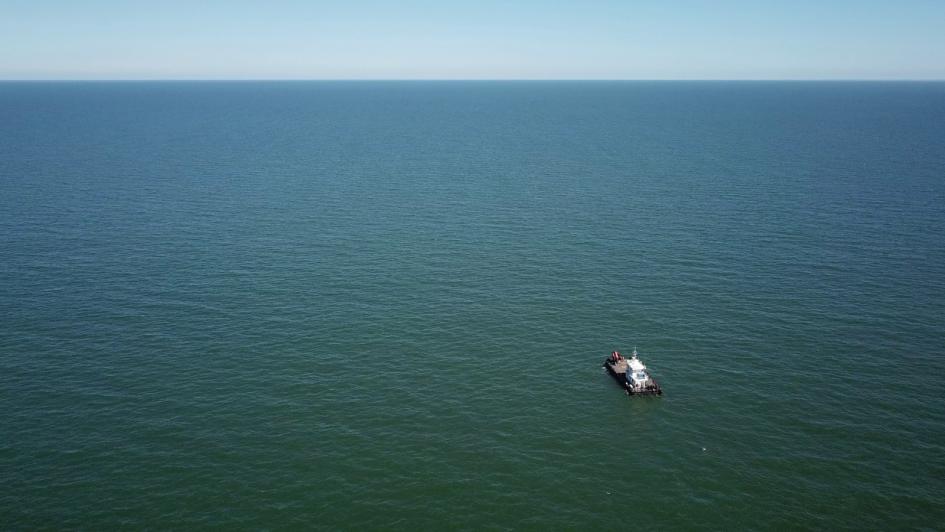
(637, 377)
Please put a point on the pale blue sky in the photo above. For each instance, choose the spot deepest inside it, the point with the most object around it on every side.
(483, 39)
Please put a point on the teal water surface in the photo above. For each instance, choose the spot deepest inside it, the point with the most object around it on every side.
(355, 305)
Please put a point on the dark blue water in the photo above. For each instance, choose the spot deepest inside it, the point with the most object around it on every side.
(385, 304)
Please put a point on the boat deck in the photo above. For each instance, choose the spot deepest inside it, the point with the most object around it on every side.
(620, 366)
(619, 371)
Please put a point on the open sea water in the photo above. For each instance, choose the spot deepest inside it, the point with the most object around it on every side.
(384, 305)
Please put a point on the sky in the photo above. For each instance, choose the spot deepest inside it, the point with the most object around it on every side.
(472, 39)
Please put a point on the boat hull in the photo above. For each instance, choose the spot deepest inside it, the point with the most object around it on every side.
(621, 378)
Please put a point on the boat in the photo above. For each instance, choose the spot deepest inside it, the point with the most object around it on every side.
(631, 374)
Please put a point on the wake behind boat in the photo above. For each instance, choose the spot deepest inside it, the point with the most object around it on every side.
(632, 374)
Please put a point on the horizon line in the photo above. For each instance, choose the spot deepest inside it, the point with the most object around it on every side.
(539, 80)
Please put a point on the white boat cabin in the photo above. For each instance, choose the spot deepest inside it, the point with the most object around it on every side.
(637, 377)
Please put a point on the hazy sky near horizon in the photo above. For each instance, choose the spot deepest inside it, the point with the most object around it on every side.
(485, 39)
